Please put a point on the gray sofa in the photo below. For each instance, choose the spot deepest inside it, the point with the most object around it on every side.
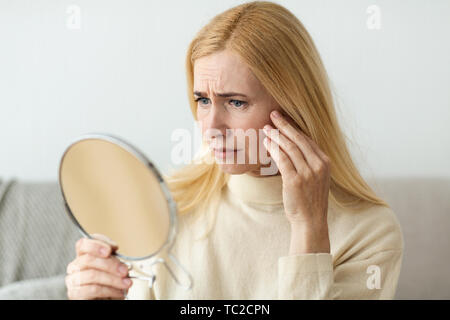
(37, 238)
(37, 241)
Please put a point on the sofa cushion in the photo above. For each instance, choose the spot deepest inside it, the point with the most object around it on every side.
(37, 238)
(422, 206)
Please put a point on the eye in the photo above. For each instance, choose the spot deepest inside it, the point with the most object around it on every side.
(238, 103)
(202, 100)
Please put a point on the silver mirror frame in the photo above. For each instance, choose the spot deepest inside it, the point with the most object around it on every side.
(170, 201)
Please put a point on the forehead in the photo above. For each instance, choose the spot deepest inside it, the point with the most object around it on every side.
(223, 72)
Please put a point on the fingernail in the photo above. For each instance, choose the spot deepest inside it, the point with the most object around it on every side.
(104, 252)
(123, 269)
(127, 281)
(276, 114)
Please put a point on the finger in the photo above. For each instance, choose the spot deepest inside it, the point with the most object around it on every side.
(86, 261)
(95, 292)
(104, 238)
(317, 149)
(282, 161)
(97, 277)
(298, 138)
(289, 147)
(94, 247)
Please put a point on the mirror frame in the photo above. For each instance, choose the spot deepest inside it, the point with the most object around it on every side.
(143, 159)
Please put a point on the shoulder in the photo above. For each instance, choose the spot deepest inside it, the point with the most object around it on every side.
(365, 232)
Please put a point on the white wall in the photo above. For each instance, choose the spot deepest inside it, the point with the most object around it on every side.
(123, 73)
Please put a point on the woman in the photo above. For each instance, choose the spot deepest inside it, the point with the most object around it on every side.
(312, 229)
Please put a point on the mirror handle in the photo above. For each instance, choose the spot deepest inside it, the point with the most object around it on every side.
(161, 260)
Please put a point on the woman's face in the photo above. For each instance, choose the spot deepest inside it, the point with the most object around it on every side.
(230, 97)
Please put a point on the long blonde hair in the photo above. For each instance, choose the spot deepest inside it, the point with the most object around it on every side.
(281, 53)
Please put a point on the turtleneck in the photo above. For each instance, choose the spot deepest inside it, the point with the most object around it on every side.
(250, 239)
(252, 189)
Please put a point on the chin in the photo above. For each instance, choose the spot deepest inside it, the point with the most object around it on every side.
(232, 168)
(235, 168)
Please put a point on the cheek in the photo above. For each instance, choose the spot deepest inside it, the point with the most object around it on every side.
(254, 120)
(201, 117)
(199, 114)
(257, 126)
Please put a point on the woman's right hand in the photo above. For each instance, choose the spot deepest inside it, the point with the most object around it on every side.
(95, 273)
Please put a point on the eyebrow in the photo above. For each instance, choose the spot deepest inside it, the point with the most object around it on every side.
(225, 94)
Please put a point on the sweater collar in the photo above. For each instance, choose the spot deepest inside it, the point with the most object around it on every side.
(262, 190)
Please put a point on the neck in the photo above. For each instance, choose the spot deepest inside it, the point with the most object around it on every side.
(250, 188)
(257, 173)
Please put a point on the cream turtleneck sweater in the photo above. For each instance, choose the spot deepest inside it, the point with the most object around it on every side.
(246, 254)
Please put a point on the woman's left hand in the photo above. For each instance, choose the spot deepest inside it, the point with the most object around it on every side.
(305, 170)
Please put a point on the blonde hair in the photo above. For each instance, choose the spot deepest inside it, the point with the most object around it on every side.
(281, 53)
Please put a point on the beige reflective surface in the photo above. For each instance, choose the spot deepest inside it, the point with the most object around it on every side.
(111, 192)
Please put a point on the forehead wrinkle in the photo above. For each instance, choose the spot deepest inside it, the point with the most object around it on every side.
(235, 78)
(211, 87)
(207, 72)
(210, 80)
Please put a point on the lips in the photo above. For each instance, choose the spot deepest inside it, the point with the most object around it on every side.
(222, 149)
(225, 153)
(225, 150)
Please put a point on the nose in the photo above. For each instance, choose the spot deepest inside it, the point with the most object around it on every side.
(214, 124)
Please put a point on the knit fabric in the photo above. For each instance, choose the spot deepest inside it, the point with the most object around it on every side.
(246, 254)
(37, 241)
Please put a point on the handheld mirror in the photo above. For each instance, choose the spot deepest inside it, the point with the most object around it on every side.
(110, 188)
